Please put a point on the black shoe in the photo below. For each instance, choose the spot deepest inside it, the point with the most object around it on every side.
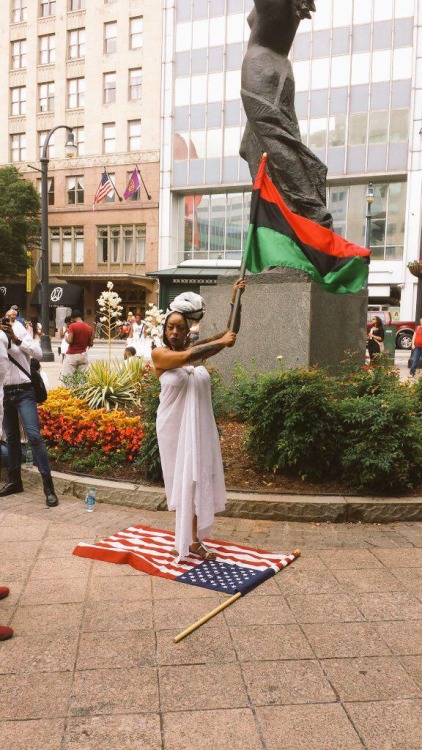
(11, 488)
(50, 495)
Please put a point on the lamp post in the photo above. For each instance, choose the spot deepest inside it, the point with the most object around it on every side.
(48, 355)
(369, 201)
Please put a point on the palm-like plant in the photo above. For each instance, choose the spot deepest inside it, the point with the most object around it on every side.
(108, 386)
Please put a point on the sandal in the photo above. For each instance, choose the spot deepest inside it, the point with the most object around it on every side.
(202, 551)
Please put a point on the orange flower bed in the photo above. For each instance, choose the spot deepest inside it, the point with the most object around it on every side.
(66, 419)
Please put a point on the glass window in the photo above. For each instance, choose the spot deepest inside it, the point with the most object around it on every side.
(55, 246)
(182, 63)
(109, 88)
(79, 134)
(140, 238)
(109, 138)
(102, 243)
(382, 38)
(361, 38)
(358, 125)
(320, 42)
(135, 135)
(42, 135)
(50, 190)
(19, 54)
(199, 61)
(318, 132)
(378, 126)
(127, 244)
(77, 5)
(234, 55)
(79, 245)
(67, 246)
(341, 41)
(75, 190)
(76, 44)
(213, 226)
(403, 32)
(115, 244)
(110, 37)
(110, 197)
(136, 33)
(135, 84)
(215, 59)
(302, 46)
(46, 97)
(19, 11)
(337, 130)
(47, 8)
(47, 49)
(18, 100)
(76, 93)
(399, 125)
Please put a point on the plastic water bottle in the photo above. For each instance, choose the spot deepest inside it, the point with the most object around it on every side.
(90, 499)
(29, 459)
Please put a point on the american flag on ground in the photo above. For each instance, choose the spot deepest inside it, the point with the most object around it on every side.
(237, 568)
(104, 188)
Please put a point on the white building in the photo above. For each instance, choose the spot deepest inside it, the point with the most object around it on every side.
(358, 74)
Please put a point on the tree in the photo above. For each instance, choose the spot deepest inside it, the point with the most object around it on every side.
(20, 224)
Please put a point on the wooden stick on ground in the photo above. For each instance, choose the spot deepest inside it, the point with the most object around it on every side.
(206, 617)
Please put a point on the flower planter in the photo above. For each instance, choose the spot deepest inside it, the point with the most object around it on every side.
(415, 268)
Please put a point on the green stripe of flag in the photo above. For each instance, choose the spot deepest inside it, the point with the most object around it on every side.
(265, 247)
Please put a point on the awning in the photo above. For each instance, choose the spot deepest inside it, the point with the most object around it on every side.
(192, 274)
(60, 295)
(12, 294)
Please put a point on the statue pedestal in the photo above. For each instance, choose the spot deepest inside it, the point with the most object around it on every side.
(285, 313)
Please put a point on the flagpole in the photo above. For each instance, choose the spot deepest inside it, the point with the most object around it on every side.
(115, 189)
(257, 183)
(143, 183)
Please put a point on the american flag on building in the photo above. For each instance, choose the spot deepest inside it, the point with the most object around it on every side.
(236, 568)
(104, 188)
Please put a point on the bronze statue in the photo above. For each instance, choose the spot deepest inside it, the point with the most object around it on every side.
(268, 91)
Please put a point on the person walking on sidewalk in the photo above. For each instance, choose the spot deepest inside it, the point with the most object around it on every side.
(417, 349)
(5, 632)
(19, 402)
(79, 336)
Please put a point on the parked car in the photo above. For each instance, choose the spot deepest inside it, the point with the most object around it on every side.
(404, 330)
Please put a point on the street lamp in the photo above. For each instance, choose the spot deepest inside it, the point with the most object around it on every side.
(369, 201)
(48, 355)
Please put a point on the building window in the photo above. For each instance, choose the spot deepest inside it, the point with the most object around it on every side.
(46, 97)
(47, 8)
(109, 88)
(19, 54)
(110, 197)
(126, 244)
(110, 37)
(50, 190)
(135, 84)
(47, 49)
(18, 147)
(76, 93)
(42, 135)
(109, 138)
(134, 135)
(67, 245)
(18, 100)
(79, 135)
(347, 205)
(213, 227)
(136, 33)
(75, 190)
(19, 11)
(137, 194)
(77, 5)
(76, 44)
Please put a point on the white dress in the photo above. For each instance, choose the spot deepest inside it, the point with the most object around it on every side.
(190, 452)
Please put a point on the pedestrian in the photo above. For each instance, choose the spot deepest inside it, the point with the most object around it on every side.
(34, 327)
(375, 340)
(14, 311)
(128, 353)
(79, 336)
(187, 434)
(5, 632)
(135, 333)
(64, 346)
(417, 349)
(19, 402)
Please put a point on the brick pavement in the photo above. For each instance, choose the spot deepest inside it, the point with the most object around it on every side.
(326, 655)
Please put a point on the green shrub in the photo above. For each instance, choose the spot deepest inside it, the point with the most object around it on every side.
(220, 394)
(381, 443)
(75, 379)
(292, 418)
(355, 380)
(243, 391)
(109, 386)
(148, 459)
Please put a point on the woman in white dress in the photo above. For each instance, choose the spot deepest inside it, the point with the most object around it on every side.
(135, 333)
(64, 346)
(187, 434)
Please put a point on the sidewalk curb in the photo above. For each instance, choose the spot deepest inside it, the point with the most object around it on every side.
(266, 507)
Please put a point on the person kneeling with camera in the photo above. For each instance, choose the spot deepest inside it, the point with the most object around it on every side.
(19, 401)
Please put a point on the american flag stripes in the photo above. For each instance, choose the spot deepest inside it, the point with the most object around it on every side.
(104, 188)
(237, 568)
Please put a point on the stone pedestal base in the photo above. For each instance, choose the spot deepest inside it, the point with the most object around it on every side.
(284, 313)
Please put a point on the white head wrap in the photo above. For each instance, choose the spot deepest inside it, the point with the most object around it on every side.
(190, 304)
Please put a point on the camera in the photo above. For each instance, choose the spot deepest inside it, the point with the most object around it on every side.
(5, 321)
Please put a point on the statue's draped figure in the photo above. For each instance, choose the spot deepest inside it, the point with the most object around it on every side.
(268, 91)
